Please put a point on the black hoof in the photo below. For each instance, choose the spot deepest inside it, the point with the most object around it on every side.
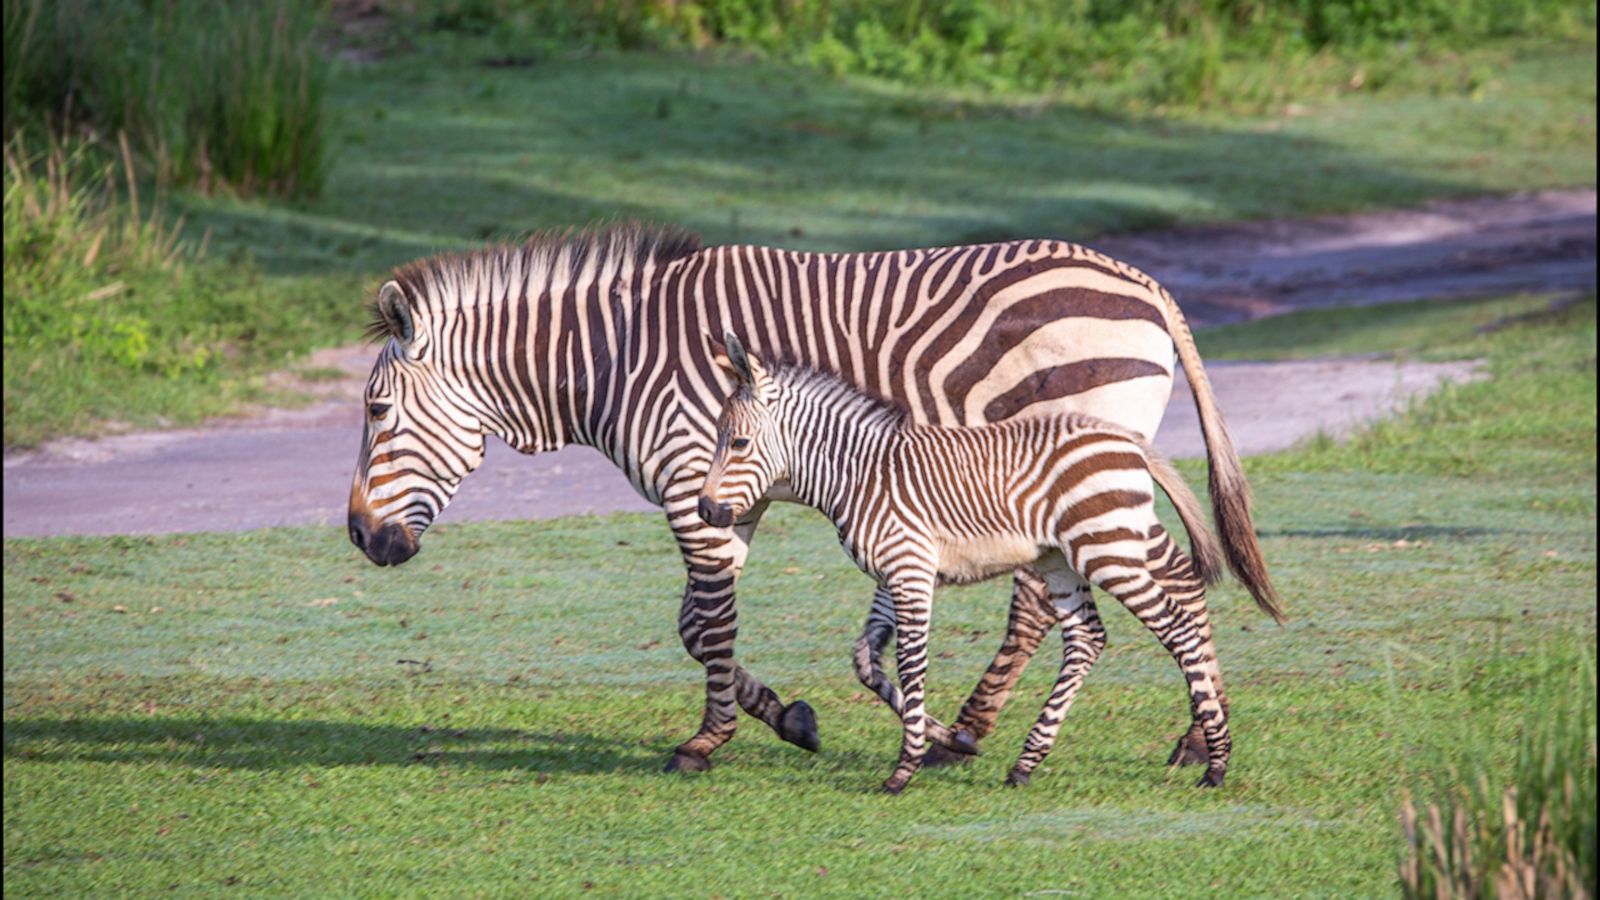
(889, 787)
(688, 762)
(1018, 779)
(1191, 751)
(799, 726)
(962, 741)
(939, 756)
(1212, 779)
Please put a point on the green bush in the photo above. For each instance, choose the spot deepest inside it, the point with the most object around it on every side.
(1143, 53)
(110, 316)
(224, 94)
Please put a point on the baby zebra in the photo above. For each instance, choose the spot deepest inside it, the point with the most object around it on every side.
(916, 506)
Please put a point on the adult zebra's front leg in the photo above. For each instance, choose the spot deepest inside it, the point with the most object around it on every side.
(708, 625)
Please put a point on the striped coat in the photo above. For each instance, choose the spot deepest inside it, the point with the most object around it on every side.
(918, 505)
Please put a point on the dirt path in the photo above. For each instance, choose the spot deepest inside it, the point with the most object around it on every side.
(292, 467)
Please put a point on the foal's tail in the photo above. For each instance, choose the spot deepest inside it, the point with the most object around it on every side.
(1203, 545)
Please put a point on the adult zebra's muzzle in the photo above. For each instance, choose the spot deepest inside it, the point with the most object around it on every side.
(390, 545)
(714, 513)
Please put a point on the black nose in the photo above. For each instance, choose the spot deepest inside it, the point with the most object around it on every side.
(718, 514)
(391, 545)
(358, 532)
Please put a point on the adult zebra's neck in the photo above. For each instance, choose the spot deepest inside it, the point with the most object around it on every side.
(833, 435)
(531, 335)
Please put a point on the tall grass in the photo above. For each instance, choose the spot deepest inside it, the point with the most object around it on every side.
(110, 316)
(212, 93)
(1523, 831)
(1144, 53)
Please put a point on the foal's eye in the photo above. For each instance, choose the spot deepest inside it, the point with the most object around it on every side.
(741, 443)
(378, 410)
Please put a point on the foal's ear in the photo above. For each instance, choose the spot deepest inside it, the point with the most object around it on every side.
(391, 314)
(719, 354)
(747, 366)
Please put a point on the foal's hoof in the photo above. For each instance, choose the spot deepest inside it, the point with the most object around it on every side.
(893, 787)
(1212, 779)
(688, 762)
(799, 726)
(1191, 751)
(1018, 779)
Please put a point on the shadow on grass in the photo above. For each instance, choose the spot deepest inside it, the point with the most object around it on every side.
(447, 155)
(242, 743)
(1395, 533)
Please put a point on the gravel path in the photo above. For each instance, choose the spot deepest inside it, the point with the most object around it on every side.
(292, 467)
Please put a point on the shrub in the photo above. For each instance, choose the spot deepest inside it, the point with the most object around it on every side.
(212, 94)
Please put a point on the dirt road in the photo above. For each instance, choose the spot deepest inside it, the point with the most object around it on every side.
(293, 467)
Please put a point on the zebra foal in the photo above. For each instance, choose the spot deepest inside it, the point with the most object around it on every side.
(916, 506)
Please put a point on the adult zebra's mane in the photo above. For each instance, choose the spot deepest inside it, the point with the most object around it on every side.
(543, 260)
(867, 409)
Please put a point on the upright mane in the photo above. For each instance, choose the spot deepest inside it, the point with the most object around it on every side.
(546, 259)
(861, 406)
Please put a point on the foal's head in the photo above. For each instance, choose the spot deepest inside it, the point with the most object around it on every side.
(748, 457)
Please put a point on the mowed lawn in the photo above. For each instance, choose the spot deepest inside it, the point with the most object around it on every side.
(267, 712)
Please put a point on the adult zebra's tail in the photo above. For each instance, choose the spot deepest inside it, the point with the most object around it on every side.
(1230, 493)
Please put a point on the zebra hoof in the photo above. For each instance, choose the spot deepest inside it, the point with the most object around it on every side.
(962, 741)
(1018, 779)
(893, 788)
(1190, 751)
(799, 726)
(939, 755)
(688, 762)
(1212, 779)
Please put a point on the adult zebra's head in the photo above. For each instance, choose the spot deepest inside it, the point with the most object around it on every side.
(422, 434)
(749, 456)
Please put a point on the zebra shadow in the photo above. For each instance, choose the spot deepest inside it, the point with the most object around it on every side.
(266, 744)
(1390, 533)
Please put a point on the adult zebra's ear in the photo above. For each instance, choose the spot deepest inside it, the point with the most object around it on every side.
(394, 313)
(746, 366)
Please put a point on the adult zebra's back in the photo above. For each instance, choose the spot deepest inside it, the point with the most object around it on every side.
(599, 338)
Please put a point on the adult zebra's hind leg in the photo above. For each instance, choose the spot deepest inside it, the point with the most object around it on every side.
(1178, 576)
(1084, 637)
(708, 625)
(869, 669)
(1031, 617)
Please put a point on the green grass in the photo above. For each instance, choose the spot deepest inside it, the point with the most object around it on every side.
(435, 150)
(192, 711)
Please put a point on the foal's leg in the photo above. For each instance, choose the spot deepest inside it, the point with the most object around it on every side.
(1084, 638)
(1173, 625)
(1176, 572)
(1029, 621)
(912, 590)
(869, 669)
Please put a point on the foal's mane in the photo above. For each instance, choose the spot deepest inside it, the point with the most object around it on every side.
(539, 258)
(867, 406)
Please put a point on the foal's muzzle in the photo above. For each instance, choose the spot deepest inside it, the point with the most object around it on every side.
(712, 513)
(390, 545)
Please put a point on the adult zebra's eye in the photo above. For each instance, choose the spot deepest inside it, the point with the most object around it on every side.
(741, 443)
(378, 410)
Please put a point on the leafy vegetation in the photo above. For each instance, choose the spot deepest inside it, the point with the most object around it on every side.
(188, 711)
(218, 95)
(1115, 56)
(110, 314)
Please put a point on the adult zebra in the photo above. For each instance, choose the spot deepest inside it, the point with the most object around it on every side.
(598, 338)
